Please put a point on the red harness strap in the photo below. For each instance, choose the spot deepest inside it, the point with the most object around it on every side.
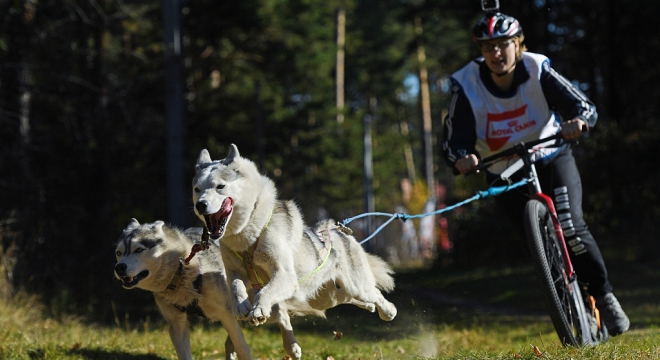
(203, 245)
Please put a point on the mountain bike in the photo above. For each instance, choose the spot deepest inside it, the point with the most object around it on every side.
(572, 310)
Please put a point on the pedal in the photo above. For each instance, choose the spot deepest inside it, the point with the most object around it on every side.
(594, 309)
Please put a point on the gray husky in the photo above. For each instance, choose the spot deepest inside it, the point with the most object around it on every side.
(289, 269)
(152, 257)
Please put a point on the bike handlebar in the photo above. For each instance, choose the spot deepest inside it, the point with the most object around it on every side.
(521, 149)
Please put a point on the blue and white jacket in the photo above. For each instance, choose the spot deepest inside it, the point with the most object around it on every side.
(484, 120)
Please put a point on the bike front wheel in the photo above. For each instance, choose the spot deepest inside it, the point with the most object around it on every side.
(562, 294)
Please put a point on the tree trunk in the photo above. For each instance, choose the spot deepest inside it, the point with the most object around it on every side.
(341, 39)
(425, 102)
(176, 202)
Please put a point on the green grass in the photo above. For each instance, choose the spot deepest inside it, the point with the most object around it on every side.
(443, 314)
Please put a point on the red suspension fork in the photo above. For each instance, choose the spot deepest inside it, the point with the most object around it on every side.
(558, 231)
(537, 193)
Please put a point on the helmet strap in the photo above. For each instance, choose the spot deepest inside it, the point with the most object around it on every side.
(507, 72)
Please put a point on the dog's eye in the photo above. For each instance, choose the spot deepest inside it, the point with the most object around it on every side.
(197, 190)
(118, 253)
(220, 187)
(139, 250)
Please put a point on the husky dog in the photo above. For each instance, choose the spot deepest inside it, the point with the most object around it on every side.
(289, 269)
(151, 257)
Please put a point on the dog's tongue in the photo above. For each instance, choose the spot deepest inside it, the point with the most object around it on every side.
(225, 208)
(218, 219)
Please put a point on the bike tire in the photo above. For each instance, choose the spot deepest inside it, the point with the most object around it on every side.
(562, 296)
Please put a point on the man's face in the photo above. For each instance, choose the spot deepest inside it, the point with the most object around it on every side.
(500, 54)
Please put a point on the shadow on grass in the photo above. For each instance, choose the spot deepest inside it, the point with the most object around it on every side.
(465, 304)
(469, 298)
(101, 354)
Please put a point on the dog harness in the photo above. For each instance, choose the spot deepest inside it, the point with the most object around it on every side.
(177, 276)
(327, 246)
(193, 307)
(256, 274)
(259, 277)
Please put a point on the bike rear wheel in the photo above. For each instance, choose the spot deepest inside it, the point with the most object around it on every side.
(562, 295)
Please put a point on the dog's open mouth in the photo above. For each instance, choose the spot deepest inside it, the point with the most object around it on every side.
(129, 282)
(216, 223)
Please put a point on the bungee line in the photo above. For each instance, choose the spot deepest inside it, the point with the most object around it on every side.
(495, 190)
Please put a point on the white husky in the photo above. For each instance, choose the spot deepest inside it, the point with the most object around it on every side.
(289, 268)
(152, 257)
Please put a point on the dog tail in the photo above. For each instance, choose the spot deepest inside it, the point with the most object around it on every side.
(382, 273)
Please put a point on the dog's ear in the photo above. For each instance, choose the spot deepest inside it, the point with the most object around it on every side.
(203, 160)
(158, 226)
(231, 155)
(204, 157)
(132, 225)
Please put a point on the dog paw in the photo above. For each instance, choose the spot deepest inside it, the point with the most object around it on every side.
(295, 352)
(258, 316)
(242, 310)
(387, 311)
(370, 307)
(240, 300)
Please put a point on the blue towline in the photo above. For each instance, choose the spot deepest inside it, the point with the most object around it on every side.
(495, 190)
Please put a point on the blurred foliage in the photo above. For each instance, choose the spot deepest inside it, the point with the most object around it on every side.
(83, 147)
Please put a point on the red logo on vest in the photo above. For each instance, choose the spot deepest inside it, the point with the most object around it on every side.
(504, 125)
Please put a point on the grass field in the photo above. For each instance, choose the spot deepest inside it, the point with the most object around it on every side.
(443, 314)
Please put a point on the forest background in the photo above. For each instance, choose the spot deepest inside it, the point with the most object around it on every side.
(84, 141)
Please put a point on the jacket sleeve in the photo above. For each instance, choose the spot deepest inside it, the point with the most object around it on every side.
(566, 99)
(460, 136)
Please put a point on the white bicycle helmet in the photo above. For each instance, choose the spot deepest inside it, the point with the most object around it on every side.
(496, 25)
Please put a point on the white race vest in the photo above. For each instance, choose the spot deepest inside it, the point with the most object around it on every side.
(502, 122)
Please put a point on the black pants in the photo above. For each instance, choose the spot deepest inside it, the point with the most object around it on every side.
(561, 180)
